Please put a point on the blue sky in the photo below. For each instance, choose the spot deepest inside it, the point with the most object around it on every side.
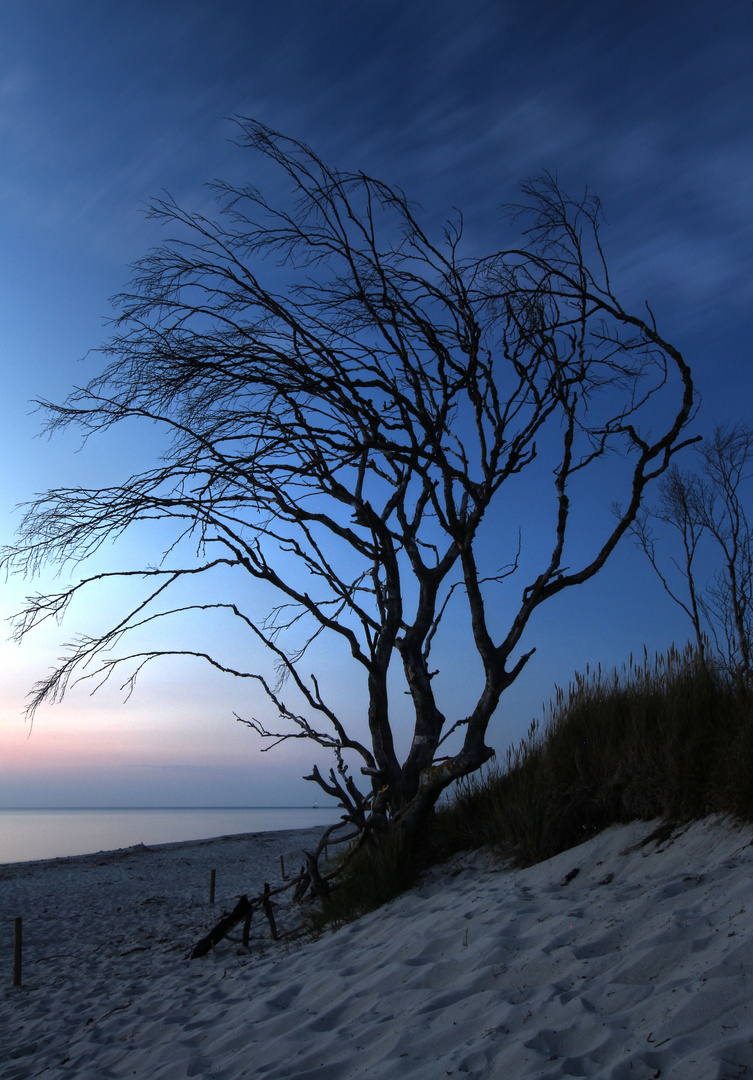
(103, 105)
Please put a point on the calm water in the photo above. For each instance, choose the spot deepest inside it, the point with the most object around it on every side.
(47, 834)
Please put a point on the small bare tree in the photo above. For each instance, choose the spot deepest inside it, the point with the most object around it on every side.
(346, 399)
(677, 508)
(708, 510)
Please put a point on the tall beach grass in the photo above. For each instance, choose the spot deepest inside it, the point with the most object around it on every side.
(670, 738)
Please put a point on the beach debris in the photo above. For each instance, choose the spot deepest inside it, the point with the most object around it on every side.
(247, 927)
(304, 880)
(243, 911)
(319, 885)
(307, 884)
(267, 909)
(243, 908)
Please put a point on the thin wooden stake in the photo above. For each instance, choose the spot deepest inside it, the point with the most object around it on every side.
(212, 876)
(17, 944)
(282, 869)
(247, 927)
(267, 906)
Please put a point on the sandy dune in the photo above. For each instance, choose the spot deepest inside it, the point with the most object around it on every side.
(640, 965)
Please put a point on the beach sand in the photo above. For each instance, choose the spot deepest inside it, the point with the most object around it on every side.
(639, 965)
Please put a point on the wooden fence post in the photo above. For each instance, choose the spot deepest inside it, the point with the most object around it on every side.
(247, 927)
(17, 944)
(267, 909)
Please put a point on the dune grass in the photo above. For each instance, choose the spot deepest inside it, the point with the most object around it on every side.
(669, 739)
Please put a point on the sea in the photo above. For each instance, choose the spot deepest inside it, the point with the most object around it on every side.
(49, 833)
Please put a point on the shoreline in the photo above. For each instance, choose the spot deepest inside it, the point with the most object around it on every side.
(108, 854)
(626, 957)
(36, 835)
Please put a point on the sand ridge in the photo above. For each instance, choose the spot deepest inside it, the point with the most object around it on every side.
(640, 965)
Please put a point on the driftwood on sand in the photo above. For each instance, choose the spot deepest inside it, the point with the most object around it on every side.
(243, 908)
(308, 880)
(243, 911)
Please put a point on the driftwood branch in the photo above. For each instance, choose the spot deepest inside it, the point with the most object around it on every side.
(267, 909)
(242, 909)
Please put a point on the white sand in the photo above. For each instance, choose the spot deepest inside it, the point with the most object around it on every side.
(640, 966)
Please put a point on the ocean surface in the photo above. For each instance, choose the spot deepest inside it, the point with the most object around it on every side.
(48, 834)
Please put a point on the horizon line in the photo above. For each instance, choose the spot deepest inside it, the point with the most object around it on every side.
(307, 806)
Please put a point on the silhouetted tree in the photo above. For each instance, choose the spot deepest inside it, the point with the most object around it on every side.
(677, 508)
(708, 510)
(346, 399)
